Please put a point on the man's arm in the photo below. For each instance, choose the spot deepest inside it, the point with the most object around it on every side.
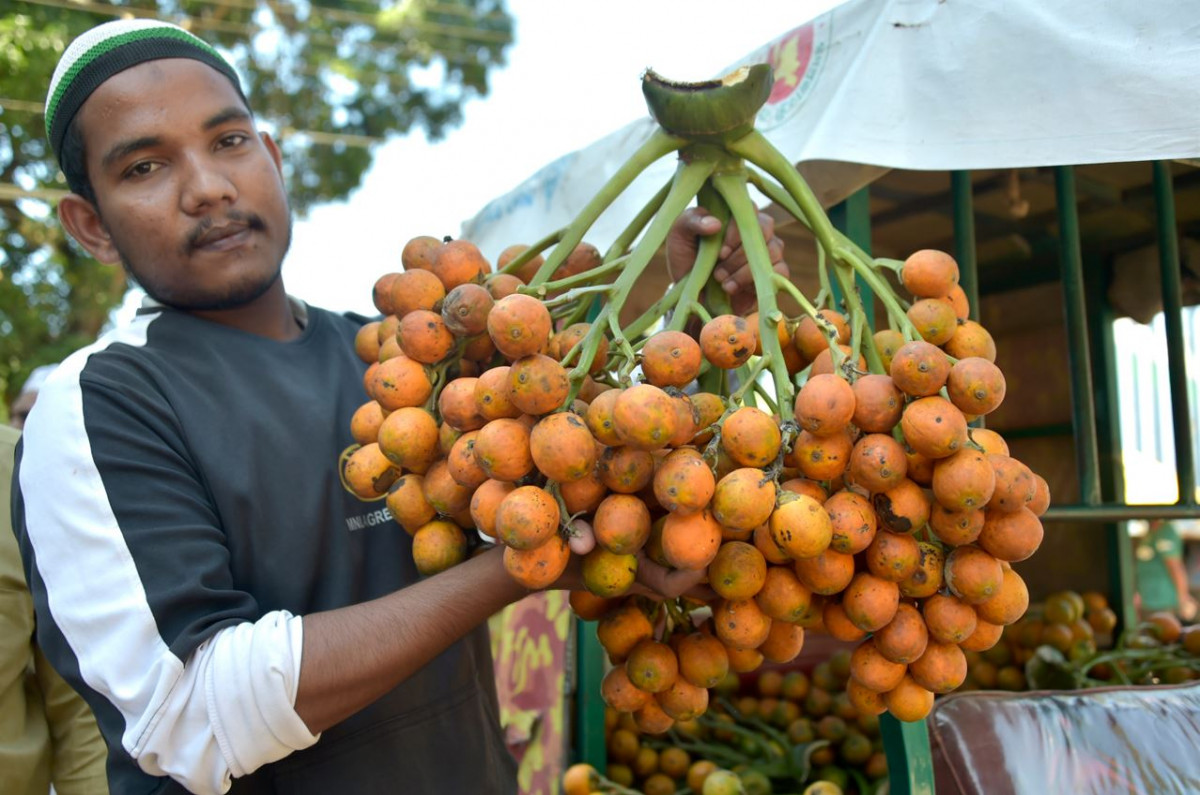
(353, 655)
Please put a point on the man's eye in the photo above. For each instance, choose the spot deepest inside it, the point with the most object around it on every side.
(141, 169)
(236, 139)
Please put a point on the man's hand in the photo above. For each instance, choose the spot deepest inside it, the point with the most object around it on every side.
(653, 580)
(732, 269)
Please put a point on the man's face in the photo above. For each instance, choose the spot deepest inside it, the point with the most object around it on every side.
(189, 195)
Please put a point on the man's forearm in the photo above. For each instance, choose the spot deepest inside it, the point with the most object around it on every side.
(353, 655)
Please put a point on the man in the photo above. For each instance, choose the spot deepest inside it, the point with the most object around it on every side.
(1161, 578)
(185, 533)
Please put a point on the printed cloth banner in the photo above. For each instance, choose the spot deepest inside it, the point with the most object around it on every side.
(529, 648)
(928, 85)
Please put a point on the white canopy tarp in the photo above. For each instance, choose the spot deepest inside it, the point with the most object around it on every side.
(925, 84)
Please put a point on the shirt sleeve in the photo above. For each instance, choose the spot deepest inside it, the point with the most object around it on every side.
(132, 583)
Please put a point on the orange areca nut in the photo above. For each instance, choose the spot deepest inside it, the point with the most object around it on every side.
(853, 522)
(563, 448)
(671, 358)
(905, 637)
(644, 417)
(409, 437)
(934, 427)
(870, 602)
(823, 457)
(459, 262)
(877, 462)
(919, 368)
(537, 384)
(690, 541)
(738, 571)
(407, 504)
(929, 273)
(928, 577)
(744, 499)
(782, 596)
(810, 340)
(751, 437)
(878, 403)
(801, 526)
(934, 319)
(519, 325)
(527, 517)
(368, 472)
(824, 405)
(625, 470)
(652, 666)
(437, 546)
(539, 567)
(458, 406)
(741, 624)
(415, 290)
(683, 482)
(424, 337)
(502, 450)
(975, 385)
(728, 341)
(465, 310)
(622, 524)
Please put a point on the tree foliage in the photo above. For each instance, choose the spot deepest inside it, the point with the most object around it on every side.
(330, 79)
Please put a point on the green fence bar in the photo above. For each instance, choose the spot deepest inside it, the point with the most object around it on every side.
(1083, 408)
(1168, 260)
(910, 766)
(964, 237)
(852, 218)
(1118, 512)
(589, 707)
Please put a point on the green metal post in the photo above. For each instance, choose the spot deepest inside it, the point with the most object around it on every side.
(964, 237)
(910, 765)
(1168, 259)
(589, 707)
(1083, 408)
(852, 218)
(1108, 429)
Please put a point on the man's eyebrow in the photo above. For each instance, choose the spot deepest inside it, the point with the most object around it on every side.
(232, 113)
(126, 148)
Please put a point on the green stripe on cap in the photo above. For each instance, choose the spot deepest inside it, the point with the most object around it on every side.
(111, 43)
(113, 47)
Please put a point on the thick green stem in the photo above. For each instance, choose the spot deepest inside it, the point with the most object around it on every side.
(881, 288)
(827, 328)
(749, 376)
(732, 187)
(755, 148)
(660, 143)
(707, 252)
(655, 313)
(858, 313)
(635, 227)
(528, 254)
(689, 177)
(579, 279)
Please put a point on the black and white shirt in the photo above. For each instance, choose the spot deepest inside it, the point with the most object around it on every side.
(179, 510)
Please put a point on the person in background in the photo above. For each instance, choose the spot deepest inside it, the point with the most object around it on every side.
(1161, 578)
(23, 402)
(47, 733)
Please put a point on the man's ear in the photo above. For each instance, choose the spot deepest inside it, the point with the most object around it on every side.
(273, 148)
(81, 219)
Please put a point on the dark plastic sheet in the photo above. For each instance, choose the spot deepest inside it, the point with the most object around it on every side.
(1086, 742)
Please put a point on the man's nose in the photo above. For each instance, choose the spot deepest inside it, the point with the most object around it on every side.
(205, 186)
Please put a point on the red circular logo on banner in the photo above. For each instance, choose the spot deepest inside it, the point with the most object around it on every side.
(790, 57)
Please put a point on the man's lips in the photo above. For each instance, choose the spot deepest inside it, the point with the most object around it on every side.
(223, 237)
